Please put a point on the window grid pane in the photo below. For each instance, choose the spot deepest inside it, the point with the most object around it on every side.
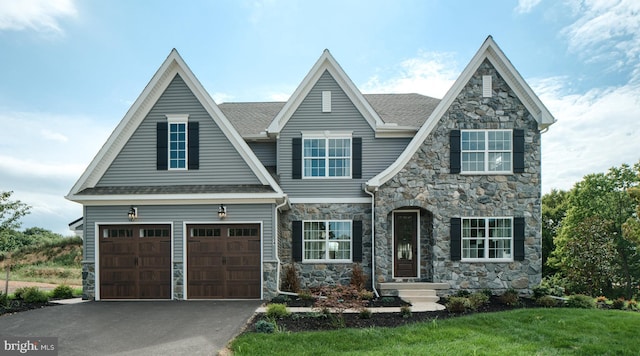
(330, 157)
(327, 240)
(177, 145)
(486, 151)
(487, 238)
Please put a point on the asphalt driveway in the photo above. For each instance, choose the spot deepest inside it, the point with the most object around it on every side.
(135, 328)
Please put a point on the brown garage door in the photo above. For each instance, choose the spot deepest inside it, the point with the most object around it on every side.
(223, 261)
(135, 261)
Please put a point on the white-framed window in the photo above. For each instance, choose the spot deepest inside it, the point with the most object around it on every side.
(327, 240)
(326, 157)
(177, 145)
(487, 239)
(486, 151)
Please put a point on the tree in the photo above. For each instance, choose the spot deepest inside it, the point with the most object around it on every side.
(11, 212)
(554, 209)
(605, 198)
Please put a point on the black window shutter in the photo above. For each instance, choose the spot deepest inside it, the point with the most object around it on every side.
(194, 145)
(518, 151)
(518, 239)
(456, 240)
(162, 146)
(356, 146)
(296, 156)
(356, 240)
(296, 242)
(454, 154)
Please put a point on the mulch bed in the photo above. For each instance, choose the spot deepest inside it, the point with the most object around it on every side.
(315, 320)
(16, 306)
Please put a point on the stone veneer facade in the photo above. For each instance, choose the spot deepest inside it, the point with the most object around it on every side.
(318, 274)
(426, 183)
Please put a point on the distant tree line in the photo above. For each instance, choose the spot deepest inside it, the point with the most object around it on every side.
(591, 234)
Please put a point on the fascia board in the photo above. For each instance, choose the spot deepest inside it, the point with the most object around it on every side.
(177, 199)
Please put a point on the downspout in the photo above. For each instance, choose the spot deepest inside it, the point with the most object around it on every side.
(373, 234)
(275, 246)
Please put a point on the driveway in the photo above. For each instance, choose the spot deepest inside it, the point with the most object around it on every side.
(135, 328)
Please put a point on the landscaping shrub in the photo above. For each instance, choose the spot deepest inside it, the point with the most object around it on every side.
(476, 300)
(357, 277)
(31, 295)
(463, 293)
(62, 292)
(632, 305)
(339, 298)
(540, 291)
(366, 294)
(457, 305)
(487, 292)
(387, 300)
(547, 301)
(405, 311)
(281, 299)
(510, 297)
(305, 295)
(365, 314)
(265, 326)
(554, 284)
(618, 303)
(581, 301)
(291, 282)
(276, 310)
(4, 300)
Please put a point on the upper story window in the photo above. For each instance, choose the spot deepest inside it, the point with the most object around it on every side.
(327, 240)
(177, 145)
(487, 151)
(487, 239)
(326, 157)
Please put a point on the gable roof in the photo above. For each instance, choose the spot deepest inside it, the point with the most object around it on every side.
(174, 64)
(409, 111)
(326, 62)
(488, 51)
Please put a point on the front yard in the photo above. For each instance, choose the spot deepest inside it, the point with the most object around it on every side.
(552, 331)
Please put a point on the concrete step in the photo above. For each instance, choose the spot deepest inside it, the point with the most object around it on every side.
(418, 300)
(417, 293)
(412, 285)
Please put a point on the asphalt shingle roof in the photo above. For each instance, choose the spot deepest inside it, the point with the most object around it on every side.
(410, 110)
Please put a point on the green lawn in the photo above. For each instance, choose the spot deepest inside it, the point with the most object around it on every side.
(557, 331)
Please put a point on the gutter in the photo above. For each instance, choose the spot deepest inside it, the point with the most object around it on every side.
(373, 234)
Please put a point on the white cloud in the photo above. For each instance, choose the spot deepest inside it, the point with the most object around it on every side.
(53, 136)
(221, 97)
(38, 15)
(525, 6)
(607, 31)
(595, 131)
(430, 73)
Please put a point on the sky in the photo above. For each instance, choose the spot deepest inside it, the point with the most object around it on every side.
(70, 70)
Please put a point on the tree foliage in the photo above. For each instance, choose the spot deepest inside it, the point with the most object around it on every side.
(596, 210)
(11, 211)
(554, 209)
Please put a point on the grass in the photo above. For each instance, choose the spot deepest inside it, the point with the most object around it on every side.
(555, 331)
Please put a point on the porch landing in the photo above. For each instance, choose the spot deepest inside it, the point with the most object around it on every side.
(421, 295)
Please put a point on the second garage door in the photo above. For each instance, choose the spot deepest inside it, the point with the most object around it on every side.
(223, 261)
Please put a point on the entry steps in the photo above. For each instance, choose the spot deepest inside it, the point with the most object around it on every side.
(416, 293)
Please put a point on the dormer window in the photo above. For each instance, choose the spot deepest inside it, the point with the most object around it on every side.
(178, 143)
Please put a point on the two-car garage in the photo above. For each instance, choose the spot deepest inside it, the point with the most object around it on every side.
(222, 261)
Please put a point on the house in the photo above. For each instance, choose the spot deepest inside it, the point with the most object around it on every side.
(188, 199)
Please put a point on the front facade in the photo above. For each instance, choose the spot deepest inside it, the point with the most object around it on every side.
(192, 200)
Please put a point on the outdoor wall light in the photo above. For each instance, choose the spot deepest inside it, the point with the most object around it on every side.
(133, 213)
(222, 211)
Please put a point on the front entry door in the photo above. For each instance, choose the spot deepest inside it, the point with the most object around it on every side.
(405, 245)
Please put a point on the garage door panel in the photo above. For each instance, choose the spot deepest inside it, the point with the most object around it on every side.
(224, 264)
(135, 262)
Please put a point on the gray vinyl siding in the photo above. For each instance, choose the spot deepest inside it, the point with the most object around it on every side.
(220, 163)
(178, 214)
(377, 153)
(266, 152)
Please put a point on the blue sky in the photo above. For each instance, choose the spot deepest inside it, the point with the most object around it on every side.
(70, 70)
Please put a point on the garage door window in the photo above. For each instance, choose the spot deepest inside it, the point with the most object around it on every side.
(155, 233)
(114, 232)
(205, 232)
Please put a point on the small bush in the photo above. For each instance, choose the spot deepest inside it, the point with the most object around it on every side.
(4, 300)
(476, 300)
(541, 291)
(601, 299)
(357, 277)
(31, 295)
(618, 303)
(265, 326)
(281, 299)
(463, 293)
(581, 301)
(365, 314)
(405, 311)
(458, 305)
(555, 285)
(547, 301)
(291, 282)
(276, 310)
(387, 300)
(487, 292)
(632, 305)
(366, 295)
(62, 292)
(305, 295)
(510, 297)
